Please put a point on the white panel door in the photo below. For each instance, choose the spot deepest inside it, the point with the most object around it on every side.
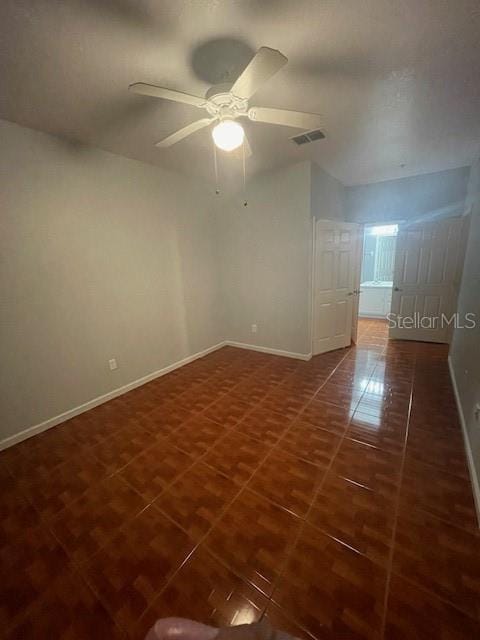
(425, 280)
(335, 272)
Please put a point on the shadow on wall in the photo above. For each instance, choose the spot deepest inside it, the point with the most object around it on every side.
(465, 349)
(406, 198)
(197, 282)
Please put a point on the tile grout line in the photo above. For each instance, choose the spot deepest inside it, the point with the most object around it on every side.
(46, 523)
(321, 484)
(223, 511)
(202, 539)
(409, 580)
(396, 511)
(117, 472)
(164, 437)
(77, 566)
(436, 596)
(229, 504)
(304, 521)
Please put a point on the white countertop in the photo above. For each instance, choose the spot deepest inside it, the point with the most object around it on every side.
(377, 285)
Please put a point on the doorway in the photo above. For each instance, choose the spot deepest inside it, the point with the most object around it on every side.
(408, 274)
(378, 261)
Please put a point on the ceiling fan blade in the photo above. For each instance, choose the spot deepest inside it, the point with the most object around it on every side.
(298, 119)
(183, 133)
(167, 94)
(265, 63)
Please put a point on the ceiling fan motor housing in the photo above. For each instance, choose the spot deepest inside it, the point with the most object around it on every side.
(224, 105)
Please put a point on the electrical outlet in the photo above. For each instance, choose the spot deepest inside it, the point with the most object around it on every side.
(112, 364)
(254, 328)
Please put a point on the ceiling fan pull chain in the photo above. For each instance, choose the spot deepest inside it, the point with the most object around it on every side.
(217, 188)
(244, 175)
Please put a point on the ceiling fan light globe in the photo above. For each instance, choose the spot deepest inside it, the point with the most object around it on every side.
(228, 135)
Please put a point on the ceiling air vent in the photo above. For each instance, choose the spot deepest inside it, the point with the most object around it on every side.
(308, 136)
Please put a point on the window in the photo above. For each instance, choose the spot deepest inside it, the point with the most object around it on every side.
(379, 253)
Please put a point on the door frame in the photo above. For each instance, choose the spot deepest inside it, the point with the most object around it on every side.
(313, 249)
(358, 279)
(364, 226)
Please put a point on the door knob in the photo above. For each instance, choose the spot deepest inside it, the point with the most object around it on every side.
(397, 289)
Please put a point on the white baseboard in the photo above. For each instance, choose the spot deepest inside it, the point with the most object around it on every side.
(275, 352)
(471, 466)
(71, 413)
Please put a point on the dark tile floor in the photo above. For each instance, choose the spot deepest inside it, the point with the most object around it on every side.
(331, 496)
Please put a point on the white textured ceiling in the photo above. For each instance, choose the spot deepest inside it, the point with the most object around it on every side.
(397, 81)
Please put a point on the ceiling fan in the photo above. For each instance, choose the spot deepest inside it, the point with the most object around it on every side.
(225, 103)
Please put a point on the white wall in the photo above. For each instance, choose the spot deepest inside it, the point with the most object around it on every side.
(408, 198)
(265, 261)
(327, 195)
(101, 257)
(465, 349)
